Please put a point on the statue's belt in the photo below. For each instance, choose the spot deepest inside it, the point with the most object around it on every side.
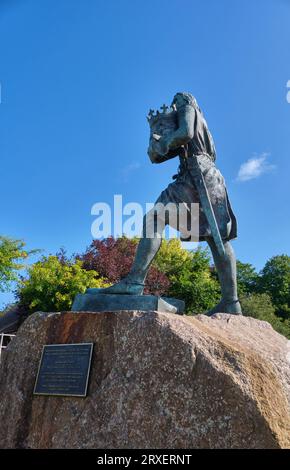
(188, 163)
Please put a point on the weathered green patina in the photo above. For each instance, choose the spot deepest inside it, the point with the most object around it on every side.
(181, 131)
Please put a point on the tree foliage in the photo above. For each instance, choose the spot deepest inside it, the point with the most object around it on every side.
(113, 258)
(175, 271)
(12, 255)
(247, 278)
(51, 285)
(260, 306)
(190, 275)
(275, 280)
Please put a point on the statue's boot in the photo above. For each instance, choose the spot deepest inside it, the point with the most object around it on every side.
(133, 284)
(227, 273)
(125, 286)
(233, 307)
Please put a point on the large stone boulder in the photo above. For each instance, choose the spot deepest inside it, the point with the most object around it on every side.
(158, 380)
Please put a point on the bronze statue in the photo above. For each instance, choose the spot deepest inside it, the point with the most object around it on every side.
(182, 131)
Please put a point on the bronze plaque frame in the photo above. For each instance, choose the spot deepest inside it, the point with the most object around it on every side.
(64, 370)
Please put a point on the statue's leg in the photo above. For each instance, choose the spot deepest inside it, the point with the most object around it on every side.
(146, 252)
(133, 283)
(227, 273)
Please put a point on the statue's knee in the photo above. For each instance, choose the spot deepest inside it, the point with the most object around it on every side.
(153, 223)
(148, 225)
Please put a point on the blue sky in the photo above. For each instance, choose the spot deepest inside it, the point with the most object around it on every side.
(77, 79)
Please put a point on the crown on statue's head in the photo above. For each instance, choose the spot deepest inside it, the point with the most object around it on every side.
(153, 116)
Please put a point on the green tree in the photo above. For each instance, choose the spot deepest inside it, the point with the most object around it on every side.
(260, 306)
(275, 280)
(52, 284)
(247, 278)
(12, 255)
(171, 257)
(190, 275)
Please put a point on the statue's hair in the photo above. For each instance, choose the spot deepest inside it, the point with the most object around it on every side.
(188, 98)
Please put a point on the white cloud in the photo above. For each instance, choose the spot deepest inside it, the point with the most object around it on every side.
(254, 167)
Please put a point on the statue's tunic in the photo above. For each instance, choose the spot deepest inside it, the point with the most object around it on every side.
(183, 189)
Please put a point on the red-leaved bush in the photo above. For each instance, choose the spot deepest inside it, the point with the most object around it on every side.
(112, 259)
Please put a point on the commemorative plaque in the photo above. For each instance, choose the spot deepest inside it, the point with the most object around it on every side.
(64, 370)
